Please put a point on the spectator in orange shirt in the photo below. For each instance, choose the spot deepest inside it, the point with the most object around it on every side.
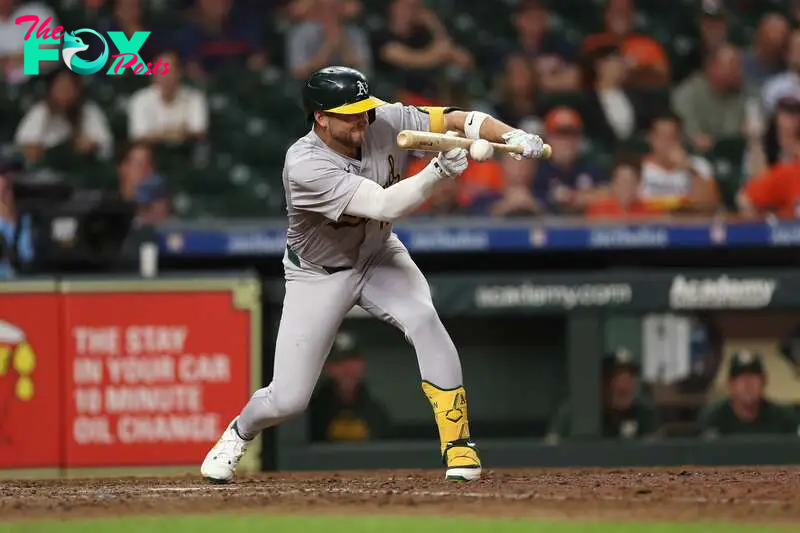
(454, 196)
(777, 190)
(623, 200)
(648, 62)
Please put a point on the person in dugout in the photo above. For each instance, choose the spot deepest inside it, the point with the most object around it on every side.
(343, 409)
(745, 411)
(627, 414)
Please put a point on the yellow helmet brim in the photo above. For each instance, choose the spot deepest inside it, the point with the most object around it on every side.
(361, 106)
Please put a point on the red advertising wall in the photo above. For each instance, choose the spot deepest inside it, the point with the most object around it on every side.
(30, 364)
(151, 378)
(115, 379)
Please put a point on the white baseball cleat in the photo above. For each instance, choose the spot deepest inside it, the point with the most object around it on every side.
(463, 474)
(220, 463)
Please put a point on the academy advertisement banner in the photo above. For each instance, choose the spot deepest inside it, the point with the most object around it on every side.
(465, 295)
(619, 292)
(137, 376)
(30, 365)
(724, 292)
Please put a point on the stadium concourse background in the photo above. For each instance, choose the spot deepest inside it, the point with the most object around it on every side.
(605, 306)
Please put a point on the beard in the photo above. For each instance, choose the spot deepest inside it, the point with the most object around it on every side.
(351, 139)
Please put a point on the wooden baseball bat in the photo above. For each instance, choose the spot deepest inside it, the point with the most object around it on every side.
(439, 142)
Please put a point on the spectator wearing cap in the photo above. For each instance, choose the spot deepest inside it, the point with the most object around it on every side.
(342, 408)
(16, 246)
(612, 113)
(746, 411)
(168, 111)
(565, 183)
(552, 56)
(626, 413)
(712, 30)
(152, 201)
(786, 83)
(712, 103)
(776, 190)
(623, 200)
(671, 178)
(765, 57)
(771, 142)
(648, 64)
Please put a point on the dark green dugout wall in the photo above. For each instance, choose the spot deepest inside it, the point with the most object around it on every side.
(529, 342)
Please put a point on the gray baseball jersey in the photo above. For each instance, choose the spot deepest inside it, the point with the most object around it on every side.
(384, 279)
(319, 182)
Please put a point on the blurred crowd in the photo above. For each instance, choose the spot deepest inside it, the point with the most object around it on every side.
(643, 123)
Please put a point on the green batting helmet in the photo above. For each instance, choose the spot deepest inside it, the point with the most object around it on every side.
(338, 90)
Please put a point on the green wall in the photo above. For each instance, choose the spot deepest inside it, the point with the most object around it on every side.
(494, 351)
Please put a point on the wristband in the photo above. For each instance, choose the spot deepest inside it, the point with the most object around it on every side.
(472, 124)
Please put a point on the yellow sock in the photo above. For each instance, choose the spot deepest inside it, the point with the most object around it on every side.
(450, 412)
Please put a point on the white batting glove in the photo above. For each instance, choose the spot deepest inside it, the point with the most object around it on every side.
(532, 145)
(451, 163)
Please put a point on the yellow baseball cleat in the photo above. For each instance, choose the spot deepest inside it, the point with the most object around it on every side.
(461, 458)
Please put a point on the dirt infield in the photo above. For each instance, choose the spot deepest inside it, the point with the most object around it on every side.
(744, 495)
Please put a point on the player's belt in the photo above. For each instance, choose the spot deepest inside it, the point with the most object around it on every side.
(295, 259)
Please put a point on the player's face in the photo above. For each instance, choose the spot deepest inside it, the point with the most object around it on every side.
(622, 389)
(747, 388)
(348, 130)
(348, 373)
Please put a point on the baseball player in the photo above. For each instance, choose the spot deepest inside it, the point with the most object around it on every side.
(343, 190)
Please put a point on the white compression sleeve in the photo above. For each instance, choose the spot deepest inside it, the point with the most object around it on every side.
(387, 205)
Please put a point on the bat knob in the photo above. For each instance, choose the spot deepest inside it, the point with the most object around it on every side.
(404, 139)
(547, 151)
